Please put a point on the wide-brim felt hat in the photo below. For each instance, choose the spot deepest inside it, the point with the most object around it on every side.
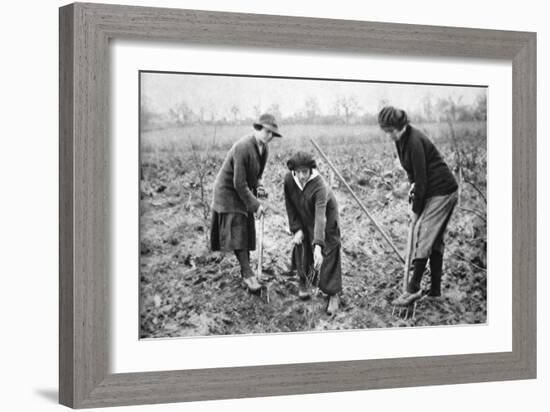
(268, 122)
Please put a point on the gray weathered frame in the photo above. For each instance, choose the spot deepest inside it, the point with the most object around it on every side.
(85, 31)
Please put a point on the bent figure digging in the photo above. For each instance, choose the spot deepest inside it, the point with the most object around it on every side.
(313, 219)
(433, 197)
(236, 190)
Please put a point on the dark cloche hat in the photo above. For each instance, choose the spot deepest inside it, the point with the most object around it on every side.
(389, 116)
(301, 159)
(268, 121)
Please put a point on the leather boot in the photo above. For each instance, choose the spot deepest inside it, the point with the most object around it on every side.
(249, 278)
(333, 304)
(418, 272)
(436, 270)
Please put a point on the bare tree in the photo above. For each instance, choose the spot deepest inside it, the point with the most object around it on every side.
(235, 111)
(182, 114)
(481, 107)
(275, 110)
(428, 108)
(213, 115)
(449, 110)
(200, 162)
(202, 112)
(348, 106)
(257, 110)
(147, 115)
(311, 108)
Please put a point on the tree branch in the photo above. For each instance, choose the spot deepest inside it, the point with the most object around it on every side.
(478, 190)
(467, 261)
(475, 212)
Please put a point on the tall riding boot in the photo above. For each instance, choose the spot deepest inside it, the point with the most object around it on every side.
(419, 268)
(413, 288)
(244, 260)
(436, 269)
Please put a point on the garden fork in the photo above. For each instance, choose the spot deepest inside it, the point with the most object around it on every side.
(406, 272)
(310, 275)
(264, 292)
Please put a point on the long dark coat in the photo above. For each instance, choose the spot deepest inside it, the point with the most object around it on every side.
(315, 211)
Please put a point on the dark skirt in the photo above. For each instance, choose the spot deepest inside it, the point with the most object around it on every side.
(330, 275)
(232, 231)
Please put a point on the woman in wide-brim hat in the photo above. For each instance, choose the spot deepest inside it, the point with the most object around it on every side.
(433, 196)
(313, 219)
(268, 122)
(235, 200)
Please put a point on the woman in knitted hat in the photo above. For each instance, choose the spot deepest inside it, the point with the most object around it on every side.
(237, 188)
(433, 196)
(313, 218)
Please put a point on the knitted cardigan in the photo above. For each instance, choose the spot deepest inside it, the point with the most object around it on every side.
(236, 183)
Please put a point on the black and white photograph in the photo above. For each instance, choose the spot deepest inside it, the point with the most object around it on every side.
(139, 276)
(275, 205)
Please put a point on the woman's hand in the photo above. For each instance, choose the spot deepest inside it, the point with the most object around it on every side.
(259, 212)
(317, 257)
(261, 192)
(298, 237)
(411, 193)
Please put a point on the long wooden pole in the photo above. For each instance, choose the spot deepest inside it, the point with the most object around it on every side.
(361, 205)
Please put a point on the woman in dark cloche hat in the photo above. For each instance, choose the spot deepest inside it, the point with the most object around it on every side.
(313, 219)
(433, 196)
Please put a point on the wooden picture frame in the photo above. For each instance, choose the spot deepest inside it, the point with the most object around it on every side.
(85, 31)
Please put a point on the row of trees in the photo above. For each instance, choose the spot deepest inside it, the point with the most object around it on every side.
(345, 110)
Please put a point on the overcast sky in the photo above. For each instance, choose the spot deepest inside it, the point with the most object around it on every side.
(163, 91)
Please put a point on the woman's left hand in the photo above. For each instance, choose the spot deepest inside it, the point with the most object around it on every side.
(317, 257)
(261, 192)
(259, 212)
